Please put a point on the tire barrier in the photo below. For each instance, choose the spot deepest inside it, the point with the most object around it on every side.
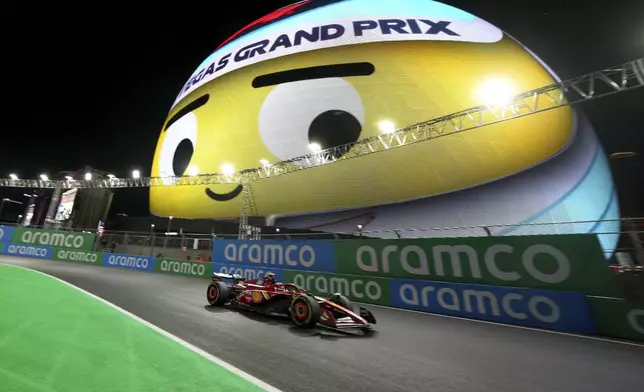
(556, 282)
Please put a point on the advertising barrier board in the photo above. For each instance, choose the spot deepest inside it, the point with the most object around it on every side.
(618, 318)
(141, 263)
(357, 288)
(295, 255)
(6, 233)
(556, 310)
(182, 267)
(59, 239)
(34, 252)
(556, 262)
(248, 272)
(77, 256)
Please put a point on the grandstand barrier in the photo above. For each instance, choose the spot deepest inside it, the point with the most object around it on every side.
(553, 262)
(559, 282)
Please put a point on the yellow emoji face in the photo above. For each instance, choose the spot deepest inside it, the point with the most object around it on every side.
(241, 111)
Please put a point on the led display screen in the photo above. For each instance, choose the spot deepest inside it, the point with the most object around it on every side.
(66, 205)
(328, 73)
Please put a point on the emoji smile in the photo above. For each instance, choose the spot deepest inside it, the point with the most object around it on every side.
(224, 196)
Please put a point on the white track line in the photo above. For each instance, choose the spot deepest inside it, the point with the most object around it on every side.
(509, 325)
(217, 361)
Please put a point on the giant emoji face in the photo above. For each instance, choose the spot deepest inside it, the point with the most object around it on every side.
(329, 73)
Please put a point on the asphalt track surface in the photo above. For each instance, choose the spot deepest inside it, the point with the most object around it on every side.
(410, 351)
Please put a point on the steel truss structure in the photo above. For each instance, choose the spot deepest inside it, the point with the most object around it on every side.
(597, 84)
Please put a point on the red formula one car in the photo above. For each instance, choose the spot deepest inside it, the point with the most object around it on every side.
(265, 296)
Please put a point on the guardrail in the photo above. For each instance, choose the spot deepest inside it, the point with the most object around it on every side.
(558, 282)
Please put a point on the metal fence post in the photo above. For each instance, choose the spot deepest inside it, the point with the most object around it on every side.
(153, 242)
(637, 243)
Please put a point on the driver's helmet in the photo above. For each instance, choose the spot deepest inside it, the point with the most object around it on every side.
(269, 278)
(335, 297)
(340, 299)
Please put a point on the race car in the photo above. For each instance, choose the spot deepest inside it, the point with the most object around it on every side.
(265, 296)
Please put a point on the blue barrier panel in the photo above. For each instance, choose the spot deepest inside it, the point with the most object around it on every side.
(141, 263)
(556, 310)
(247, 272)
(34, 252)
(293, 255)
(6, 233)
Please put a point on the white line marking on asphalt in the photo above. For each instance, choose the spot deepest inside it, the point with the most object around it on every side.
(509, 325)
(217, 361)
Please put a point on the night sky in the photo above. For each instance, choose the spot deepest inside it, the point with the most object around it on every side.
(93, 86)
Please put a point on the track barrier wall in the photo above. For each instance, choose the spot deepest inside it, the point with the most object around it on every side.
(185, 268)
(556, 262)
(556, 282)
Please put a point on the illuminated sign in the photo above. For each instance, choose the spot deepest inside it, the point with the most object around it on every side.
(310, 78)
(336, 25)
(66, 205)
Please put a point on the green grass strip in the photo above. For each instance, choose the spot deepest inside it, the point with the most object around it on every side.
(56, 338)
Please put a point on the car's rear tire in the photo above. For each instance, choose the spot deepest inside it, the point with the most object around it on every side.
(305, 311)
(217, 294)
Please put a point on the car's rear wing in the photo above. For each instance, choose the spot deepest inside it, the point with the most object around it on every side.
(220, 276)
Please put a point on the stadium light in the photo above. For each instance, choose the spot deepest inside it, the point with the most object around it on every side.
(136, 174)
(88, 176)
(111, 176)
(386, 126)
(13, 176)
(193, 170)
(315, 147)
(227, 169)
(496, 91)
(44, 177)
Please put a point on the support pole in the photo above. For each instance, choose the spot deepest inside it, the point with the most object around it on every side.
(53, 206)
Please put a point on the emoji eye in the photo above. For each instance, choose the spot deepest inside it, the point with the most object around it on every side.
(328, 112)
(178, 146)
